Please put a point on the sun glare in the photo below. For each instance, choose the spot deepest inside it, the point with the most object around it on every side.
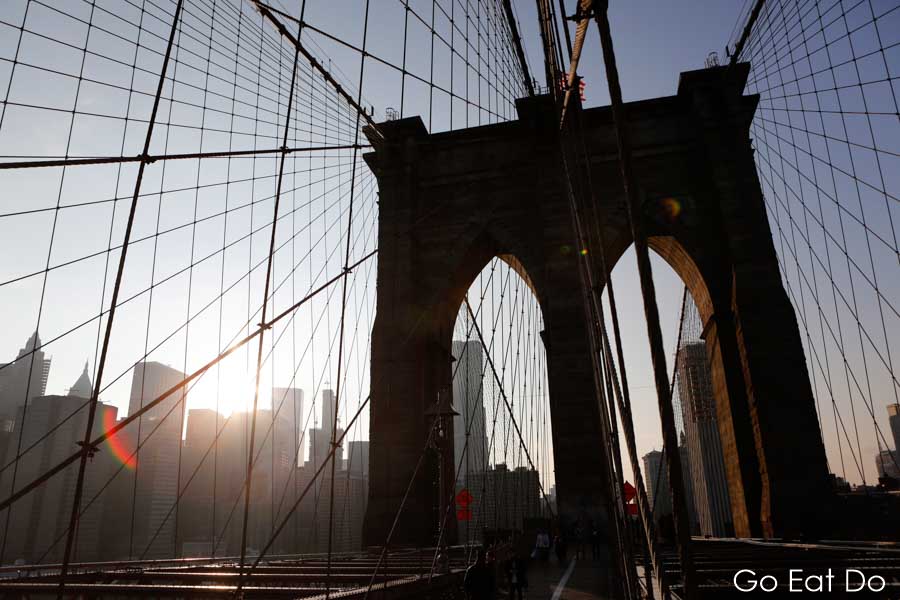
(230, 390)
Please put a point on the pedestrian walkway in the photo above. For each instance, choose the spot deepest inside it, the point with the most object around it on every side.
(581, 579)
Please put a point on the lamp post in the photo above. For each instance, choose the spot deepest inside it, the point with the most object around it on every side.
(442, 410)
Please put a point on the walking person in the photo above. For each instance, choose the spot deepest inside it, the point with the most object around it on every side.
(542, 546)
(479, 580)
(595, 542)
(580, 535)
(559, 543)
(517, 576)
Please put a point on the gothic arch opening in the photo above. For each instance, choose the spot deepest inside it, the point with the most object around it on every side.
(503, 459)
(669, 289)
(685, 307)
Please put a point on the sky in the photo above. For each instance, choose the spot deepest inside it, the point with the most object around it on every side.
(215, 207)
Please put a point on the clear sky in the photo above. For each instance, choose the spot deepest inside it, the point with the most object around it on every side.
(206, 205)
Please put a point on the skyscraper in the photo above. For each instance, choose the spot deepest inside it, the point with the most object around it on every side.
(657, 479)
(704, 448)
(273, 489)
(22, 379)
(358, 458)
(320, 437)
(659, 493)
(196, 535)
(894, 420)
(468, 401)
(291, 402)
(150, 494)
(887, 463)
(328, 400)
(39, 521)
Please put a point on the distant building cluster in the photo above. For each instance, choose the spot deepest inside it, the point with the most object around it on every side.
(172, 482)
(502, 498)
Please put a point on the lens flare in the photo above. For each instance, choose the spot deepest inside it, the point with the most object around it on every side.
(117, 442)
(670, 208)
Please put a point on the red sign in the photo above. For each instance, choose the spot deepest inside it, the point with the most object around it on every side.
(464, 498)
(630, 492)
(463, 514)
(632, 509)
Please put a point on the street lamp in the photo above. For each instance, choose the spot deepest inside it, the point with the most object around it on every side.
(442, 410)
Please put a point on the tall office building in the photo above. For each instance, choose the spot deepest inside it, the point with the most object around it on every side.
(231, 472)
(894, 420)
(273, 485)
(887, 462)
(149, 381)
(320, 437)
(468, 401)
(701, 437)
(290, 401)
(659, 493)
(316, 504)
(23, 378)
(199, 463)
(358, 458)
(145, 518)
(214, 499)
(40, 520)
(657, 479)
(328, 400)
(351, 484)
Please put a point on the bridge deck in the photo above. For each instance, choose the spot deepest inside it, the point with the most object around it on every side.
(578, 579)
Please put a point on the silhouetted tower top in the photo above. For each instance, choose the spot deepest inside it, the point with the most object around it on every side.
(25, 377)
(82, 387)
(327, 411)
(33, 342)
